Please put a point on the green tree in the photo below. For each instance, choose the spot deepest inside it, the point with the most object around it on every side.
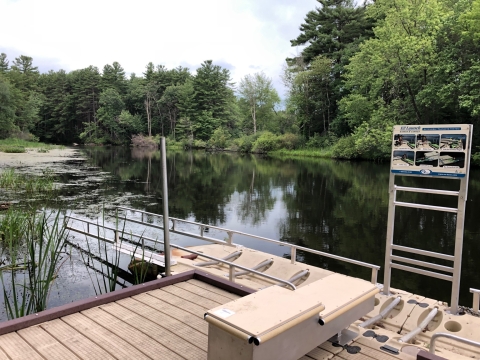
(332, 32)
(3, 63)
(213, 93)
(113, 76)
(259, 96)
(7, 109)
(108, 128)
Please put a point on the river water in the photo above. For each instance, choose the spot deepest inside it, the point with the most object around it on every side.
(334, 206)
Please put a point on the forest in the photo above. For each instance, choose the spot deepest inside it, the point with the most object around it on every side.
(360, 69)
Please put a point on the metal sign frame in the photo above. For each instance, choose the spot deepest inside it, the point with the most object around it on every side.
(429, 157)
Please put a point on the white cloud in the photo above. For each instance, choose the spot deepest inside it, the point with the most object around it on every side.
(249, 35)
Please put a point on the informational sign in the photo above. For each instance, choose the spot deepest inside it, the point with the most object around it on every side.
(431, 150)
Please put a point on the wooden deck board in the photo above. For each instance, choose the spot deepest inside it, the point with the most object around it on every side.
(3, 356)
(174, 312)
(213, 289)
(183, 304)
(187, 295)
(45, 344)
(106, 339)
(182, 329)
(366, 353)
(327, 345)
(147, 344)
(16, 348)
(165, 337)
(74, 341)
(320, 354)
(220, 298)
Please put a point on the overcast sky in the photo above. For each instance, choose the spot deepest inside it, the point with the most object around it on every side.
(244, 36)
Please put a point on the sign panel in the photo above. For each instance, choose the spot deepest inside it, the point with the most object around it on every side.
(431, 150)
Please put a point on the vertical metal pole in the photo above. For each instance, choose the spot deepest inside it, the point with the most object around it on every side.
(231, 273)
(166, 234)
(457, 262)
(462, 200)
(389, 240)
(293, 254)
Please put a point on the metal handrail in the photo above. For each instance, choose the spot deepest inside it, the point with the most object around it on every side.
(453, 337)
(231, 265)
(476, 299)
(293, 247)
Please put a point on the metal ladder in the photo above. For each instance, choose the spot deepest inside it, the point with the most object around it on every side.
(456, 258)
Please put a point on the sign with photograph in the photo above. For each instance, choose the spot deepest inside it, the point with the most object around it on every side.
(431, 150)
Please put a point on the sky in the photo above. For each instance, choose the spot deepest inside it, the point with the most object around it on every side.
(244, 36)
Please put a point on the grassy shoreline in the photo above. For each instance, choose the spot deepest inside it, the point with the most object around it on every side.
(12, 145)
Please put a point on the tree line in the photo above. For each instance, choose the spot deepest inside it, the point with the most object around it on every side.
(366, 68)
(361, 70)
(106, 107)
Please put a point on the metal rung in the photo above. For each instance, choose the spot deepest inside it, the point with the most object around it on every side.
(427, 207)
(259, 266)
(422, 263)
(427, 191)
(424, 252)
(216, 262)
(422, 272)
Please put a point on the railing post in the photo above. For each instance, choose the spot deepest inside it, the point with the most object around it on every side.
(201, 231)
(293, 254)
(374, 275)
(231, 273)
(166, 234)
(230, 236)
(173, 224)
(476, 300)
(117, 237)
(389, 240)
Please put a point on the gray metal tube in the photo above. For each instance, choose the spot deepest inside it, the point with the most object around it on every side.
(166, 234)
(382, 314)
(420, 327)
(453, 337)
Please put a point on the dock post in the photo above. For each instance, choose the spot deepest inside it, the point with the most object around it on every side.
(166, 234)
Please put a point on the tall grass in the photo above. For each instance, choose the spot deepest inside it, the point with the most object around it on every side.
(44, 184)
(34, 255)
(13, 142)
(320, 153)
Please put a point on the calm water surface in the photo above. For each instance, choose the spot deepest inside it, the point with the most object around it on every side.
(332, 206)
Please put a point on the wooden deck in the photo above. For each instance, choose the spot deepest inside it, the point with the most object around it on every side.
(163, 323)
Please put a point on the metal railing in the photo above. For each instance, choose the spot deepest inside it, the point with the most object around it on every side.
(229, 241)
(450, 336)
(448, 273)
(476, 300)
(231, 265)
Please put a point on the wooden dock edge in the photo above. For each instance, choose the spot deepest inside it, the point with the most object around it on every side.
(81, 305)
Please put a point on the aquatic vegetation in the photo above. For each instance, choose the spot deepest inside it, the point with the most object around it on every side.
(12, 149)
(33, 252)
(44, 184)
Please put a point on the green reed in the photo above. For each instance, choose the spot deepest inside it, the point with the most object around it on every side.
(43, 184)
(33, 250)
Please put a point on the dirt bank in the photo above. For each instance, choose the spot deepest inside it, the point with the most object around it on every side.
(32, 158)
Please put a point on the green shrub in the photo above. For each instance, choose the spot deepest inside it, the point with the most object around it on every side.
(12, 149)
(289, 141)
(245, 143)
(345, 148)
(199, 144)
(476, 159)
(318, 141)
(219, 139)
(266, 142)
